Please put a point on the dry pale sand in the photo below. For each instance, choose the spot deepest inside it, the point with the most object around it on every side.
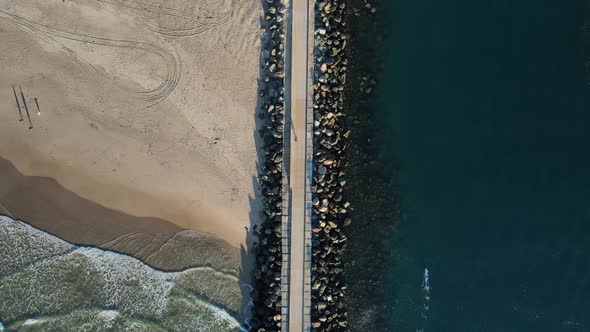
(147, 112)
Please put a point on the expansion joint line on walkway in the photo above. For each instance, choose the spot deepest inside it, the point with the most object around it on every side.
(308, 164)
(297, 171)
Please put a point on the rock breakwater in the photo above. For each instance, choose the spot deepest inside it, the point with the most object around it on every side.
(266, 292)
(330, 208)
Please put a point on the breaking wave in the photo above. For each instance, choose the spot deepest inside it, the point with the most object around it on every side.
(48, 284)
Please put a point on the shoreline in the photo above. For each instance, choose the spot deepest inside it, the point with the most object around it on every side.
(187, 159)
(155, 254)
(112, 281)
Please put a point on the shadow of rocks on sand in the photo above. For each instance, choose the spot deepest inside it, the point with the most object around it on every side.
(248, 254)
(268, 92)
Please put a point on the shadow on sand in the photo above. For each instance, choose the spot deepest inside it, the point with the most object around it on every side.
(249, 253)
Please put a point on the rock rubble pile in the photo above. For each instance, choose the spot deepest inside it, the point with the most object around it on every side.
(266, 292)
(330, 208)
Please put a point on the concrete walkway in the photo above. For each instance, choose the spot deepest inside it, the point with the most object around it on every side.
(299, 55)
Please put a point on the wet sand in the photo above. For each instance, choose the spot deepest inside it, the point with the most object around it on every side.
(53, 208)
(147, 117)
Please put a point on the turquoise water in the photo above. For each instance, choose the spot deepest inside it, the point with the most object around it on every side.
(488, 103)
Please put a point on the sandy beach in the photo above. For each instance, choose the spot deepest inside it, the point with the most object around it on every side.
(147, 116)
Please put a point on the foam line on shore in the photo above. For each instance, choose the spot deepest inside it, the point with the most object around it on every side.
(111, 272)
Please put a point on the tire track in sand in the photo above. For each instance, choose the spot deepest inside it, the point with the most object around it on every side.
(50, 34)
(194, 25)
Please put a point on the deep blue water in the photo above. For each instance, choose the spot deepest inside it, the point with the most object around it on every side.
(488, 103)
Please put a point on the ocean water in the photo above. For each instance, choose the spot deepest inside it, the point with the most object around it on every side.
(487, 110)
(48, 284)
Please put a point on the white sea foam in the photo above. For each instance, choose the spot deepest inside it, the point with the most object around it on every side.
(1, 327)
(118, 269)
(222, 314)
(117, 280)
(22, 244)
(31, 321)
(108, 317)
(109, 314)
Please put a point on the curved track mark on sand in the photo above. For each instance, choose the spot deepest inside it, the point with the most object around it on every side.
(194, 25)
(49, 34)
